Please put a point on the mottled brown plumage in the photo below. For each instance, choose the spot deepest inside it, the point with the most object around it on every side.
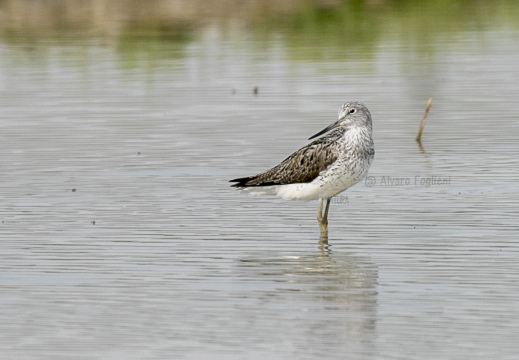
(302, 166)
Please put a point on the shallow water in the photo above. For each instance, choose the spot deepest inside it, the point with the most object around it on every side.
(120, 237)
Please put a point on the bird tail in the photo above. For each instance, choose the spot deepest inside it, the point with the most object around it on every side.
(252, 181)
(241, 182)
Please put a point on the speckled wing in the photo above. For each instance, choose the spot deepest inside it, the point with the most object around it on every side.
(302, 166)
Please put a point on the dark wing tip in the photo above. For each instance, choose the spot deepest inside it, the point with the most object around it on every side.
(240, 182)
(245, 182)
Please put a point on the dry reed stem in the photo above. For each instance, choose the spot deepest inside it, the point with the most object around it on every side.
(422, 124)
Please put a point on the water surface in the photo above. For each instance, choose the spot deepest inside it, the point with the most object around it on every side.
(120, 237)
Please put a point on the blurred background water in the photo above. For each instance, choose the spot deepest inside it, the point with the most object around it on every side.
(122, 121)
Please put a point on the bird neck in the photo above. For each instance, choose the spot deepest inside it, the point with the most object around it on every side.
(356, 133)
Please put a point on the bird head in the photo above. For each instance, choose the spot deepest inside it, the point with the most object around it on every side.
(352, 114)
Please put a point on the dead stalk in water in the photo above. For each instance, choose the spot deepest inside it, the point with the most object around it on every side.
(422, 124)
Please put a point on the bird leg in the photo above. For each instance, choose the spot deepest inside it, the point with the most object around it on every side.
(320, 212)
(322, 219)
(325, 217)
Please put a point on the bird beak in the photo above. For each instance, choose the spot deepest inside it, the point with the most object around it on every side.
(325, 130)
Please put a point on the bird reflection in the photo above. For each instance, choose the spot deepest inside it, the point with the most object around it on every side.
(334, 294)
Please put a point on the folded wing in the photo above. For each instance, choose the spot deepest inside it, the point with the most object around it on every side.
(302, 166)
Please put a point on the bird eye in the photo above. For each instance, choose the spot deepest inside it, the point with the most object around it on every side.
(352, 111)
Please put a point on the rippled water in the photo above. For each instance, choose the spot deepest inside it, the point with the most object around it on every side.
(121, 239)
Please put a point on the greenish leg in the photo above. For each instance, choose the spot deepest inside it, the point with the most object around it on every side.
(322, 218)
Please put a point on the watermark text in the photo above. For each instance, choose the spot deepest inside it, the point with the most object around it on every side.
(426, 181)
